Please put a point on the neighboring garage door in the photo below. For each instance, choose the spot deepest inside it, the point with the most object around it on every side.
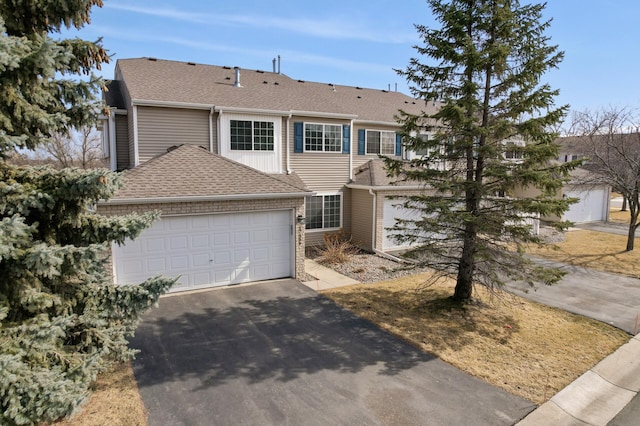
(590, 208)
(209, 250)
(391, 212)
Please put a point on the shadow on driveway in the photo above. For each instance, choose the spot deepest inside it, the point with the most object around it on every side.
(277, 352)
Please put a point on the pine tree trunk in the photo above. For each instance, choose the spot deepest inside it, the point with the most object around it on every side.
(464, 283)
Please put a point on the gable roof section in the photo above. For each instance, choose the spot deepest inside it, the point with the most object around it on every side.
(154, 80)
(374, 175)
(191, 173)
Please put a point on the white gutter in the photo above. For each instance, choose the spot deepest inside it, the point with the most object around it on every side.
(211, 111)
(378, 123)
(169, 104)
(136, 154)
(323, 114)
(288, 164)
(198, 198)
(385, 188)
(253, 111)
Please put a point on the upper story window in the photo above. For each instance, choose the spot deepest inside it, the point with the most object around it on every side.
(247, 135)
(513, 151)
(322, 137)
(381, 142)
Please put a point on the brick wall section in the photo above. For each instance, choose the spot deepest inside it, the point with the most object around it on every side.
(204, 207)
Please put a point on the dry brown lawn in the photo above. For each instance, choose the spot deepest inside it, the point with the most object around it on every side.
(523, 347)
(615, 215)
(115, 401)
(597, 250)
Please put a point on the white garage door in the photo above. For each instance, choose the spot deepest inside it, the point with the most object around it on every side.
(209, 250)
(391, 212)
(591, 207)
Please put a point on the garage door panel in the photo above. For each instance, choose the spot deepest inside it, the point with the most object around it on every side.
(201, 260)
(241, 237)
(209, 250)
(261, 236)
(198, 241)
(157, 265)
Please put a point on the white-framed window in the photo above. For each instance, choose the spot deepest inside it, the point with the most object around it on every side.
(512, 152)
(322, 137)
(323, 211)
(381, 142)
(248, 135)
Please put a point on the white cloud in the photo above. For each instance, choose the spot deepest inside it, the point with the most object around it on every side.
(322, 28)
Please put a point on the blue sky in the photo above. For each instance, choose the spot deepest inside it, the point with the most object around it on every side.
(356, 42)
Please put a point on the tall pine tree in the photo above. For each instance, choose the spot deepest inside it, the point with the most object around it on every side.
(487, 161)
(62, 320)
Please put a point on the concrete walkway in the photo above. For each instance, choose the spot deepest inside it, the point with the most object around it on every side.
(607, 394)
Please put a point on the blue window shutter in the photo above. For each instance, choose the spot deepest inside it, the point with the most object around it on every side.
(361, 137)
(298, 136)
(398, 145)
(346, 138)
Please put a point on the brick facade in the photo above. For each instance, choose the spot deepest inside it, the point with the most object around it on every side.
(207, 207)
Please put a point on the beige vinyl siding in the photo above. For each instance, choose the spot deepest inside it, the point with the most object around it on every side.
(320, 171)
(359, 160)
(162, 128)
(122, 142)
(127, 101)
(361, 218)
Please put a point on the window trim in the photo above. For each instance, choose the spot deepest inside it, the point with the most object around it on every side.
(380, 132)
(324, 194)
(323, 150)
(253, 135)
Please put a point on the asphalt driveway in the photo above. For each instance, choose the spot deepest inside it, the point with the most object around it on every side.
(607, 297)
(278, 353)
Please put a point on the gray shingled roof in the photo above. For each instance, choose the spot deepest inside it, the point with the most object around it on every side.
(192, 171)
(170, 81)
(373, 173)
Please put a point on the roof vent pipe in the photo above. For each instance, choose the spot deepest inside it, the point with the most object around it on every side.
(237, 83)
(278, 64)
(274, 65)
(396, 87)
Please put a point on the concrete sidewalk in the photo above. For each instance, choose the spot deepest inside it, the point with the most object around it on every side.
(596, 398)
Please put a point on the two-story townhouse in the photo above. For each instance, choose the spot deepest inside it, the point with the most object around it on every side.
(280, 162)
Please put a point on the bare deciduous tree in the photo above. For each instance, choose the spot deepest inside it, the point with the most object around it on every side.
(611, 138)
(82, 148)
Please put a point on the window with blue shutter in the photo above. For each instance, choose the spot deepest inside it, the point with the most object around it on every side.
(346, 138)
(361, 141)
(398, 145)
(298, 136)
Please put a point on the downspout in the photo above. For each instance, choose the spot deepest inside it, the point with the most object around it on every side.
(136, 154)
(113, 155)
(289, 171)
(219, 133)
(211, 111)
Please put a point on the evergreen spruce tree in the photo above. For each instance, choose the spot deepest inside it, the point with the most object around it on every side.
(62, 320)
(484, 69)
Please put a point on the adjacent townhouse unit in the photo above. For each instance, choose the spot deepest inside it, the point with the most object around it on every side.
(247, 167)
